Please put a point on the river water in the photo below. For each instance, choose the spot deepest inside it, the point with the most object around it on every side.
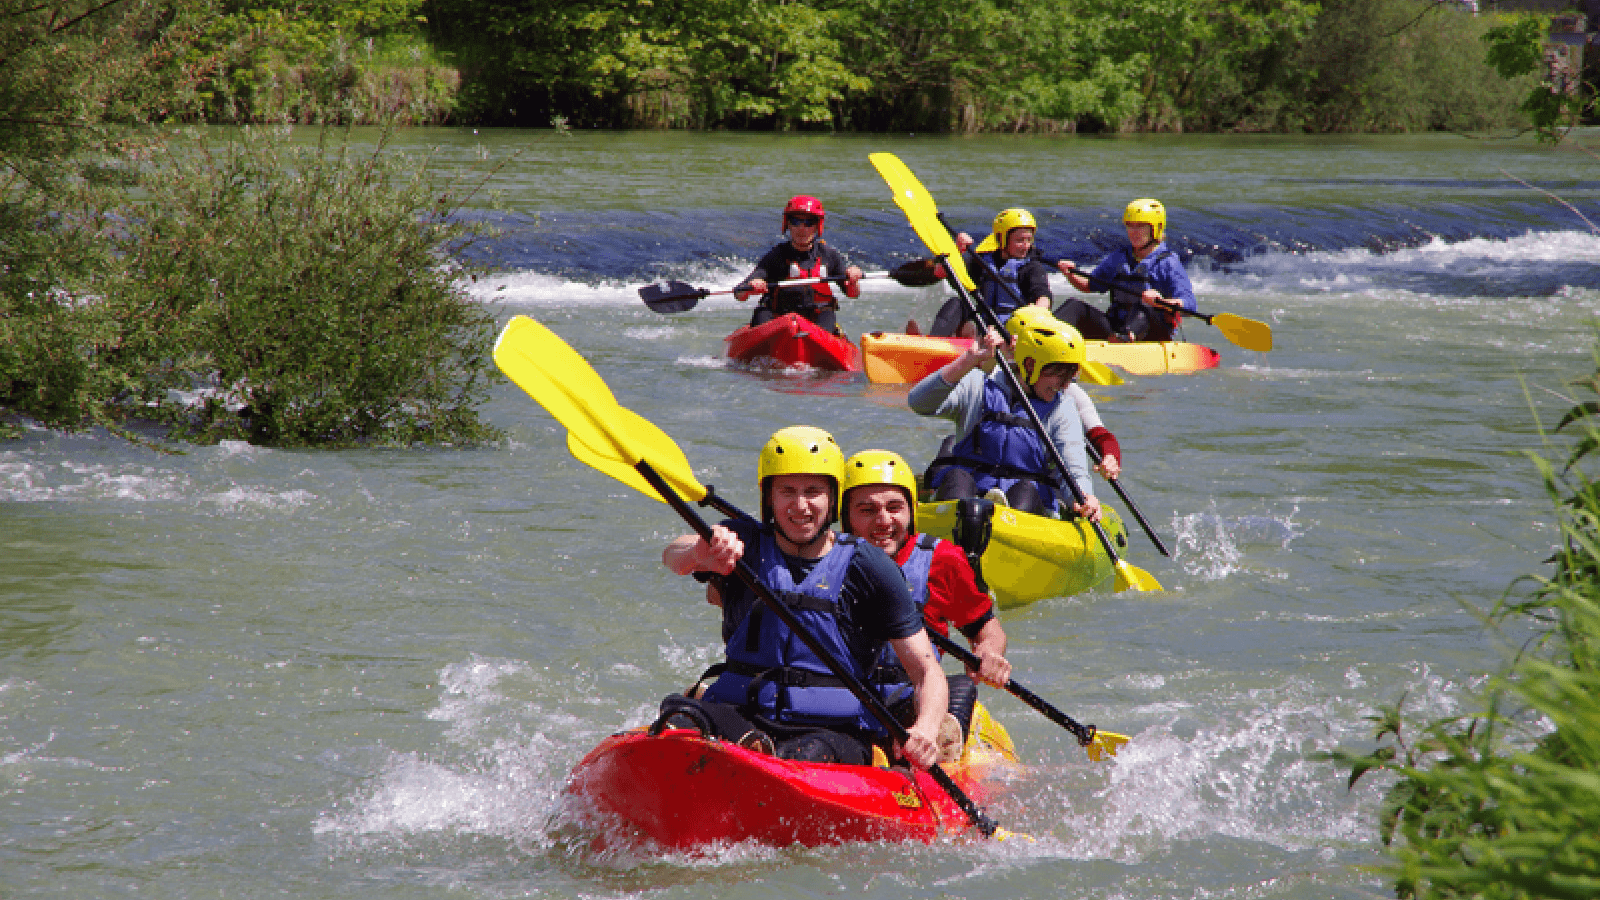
(244, 672)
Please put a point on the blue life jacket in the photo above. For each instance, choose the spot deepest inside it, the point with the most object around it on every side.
(769, 669)
(1005, 448)
(1002, 301)
(888, 675)
(1127, 305)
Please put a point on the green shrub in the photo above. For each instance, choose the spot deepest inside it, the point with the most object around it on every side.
(1506, 803)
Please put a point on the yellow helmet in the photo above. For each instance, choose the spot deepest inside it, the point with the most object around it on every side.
(1004, 222)
(800, 450)
(1042, 339)
(1149, 211)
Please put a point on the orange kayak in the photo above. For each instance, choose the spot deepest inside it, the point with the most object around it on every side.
(890, 358)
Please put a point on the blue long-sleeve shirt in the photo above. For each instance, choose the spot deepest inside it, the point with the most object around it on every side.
(962, 403)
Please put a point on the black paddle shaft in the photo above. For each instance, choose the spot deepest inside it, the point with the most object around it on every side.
(993, 321)
(980, 820)
(1084, 735)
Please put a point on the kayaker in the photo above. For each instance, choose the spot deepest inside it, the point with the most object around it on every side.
(1146, 280)
(804, 255)
(848, 593)
(996, 446)
(880, 495)
(1010, 250)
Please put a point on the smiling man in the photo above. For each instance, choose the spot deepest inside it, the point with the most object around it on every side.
(879, 503)
(846, 593)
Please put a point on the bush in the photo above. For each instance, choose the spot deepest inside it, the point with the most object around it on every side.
(1506, 804)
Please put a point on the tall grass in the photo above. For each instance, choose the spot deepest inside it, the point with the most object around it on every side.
(1506, 803)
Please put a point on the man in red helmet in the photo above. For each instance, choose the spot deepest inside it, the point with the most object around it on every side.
(804, 255)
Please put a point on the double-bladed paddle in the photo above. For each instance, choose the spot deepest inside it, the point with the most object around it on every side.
(1248, 334)
(676, 296)
(603, 433)
(915, 201)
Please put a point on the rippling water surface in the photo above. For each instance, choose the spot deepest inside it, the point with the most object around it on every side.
(245, 672)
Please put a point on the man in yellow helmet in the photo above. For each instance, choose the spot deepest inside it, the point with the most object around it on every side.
(997, 446)
(1146, 280)
(846, 592)
(1010, 251)
(880, 495)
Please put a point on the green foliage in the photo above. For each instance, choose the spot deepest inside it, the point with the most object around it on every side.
(302, 292)
(1516, 51)
(1506, 804)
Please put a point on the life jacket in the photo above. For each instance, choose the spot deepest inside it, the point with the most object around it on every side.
(819, 295)
(1004, 448)
(1128, 312)
(889, 676)
(769, 670)
(1002, 301)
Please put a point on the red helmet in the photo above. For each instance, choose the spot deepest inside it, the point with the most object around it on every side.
(803, 204)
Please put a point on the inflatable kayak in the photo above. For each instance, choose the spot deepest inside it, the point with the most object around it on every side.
(790, 340)
(1033, 557)
(890, 358)
(679, 790)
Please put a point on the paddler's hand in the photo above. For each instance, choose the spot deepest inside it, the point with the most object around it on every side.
(995, 670)
(979, 350)
(721, 553)
(1089, 509)
(1152, 297)
(963, 241)
(751, 288)
(921, 748)
(852, 281)
(1109, 468)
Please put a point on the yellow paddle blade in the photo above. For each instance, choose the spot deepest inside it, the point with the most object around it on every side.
(915, 201)
(1131, 576)
(600, 431)
(1246, 333)
(989, 244)
(1105, 743)
(1098, 373)
(653, 446)
(1001, 834)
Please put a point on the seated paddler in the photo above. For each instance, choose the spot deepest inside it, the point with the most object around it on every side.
(772, 692)
(880, 508)
(997, 447)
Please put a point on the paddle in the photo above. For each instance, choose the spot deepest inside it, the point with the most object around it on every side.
(1246, 333)
(918, 205)
(676, 296)
(599, 429)
(1095, 742)
(1098, 744)
(990, 320)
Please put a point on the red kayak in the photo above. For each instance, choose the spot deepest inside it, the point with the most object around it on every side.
(680, 791)
(789, 341)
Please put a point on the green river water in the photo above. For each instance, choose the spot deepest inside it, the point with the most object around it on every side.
(248, 673)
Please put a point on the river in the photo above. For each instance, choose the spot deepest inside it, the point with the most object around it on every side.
(243, 672)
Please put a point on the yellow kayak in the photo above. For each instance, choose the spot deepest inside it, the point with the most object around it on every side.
(890, 358)
(1033, 557)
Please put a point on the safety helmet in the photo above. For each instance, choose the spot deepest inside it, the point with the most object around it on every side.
(1042, 339)
(803, 204)
(1150, 211)
(800, 450)
(1007, 220)
(881, 467)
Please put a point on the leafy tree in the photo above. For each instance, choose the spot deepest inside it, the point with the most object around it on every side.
(1516, 51)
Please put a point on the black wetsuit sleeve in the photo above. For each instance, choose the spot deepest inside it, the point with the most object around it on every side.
(1034, 282)
(883, 610)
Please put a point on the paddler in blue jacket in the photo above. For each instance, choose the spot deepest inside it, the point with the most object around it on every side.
(997, 446)
(1146, 280)
(880, 495)
(1009, 250)
(847, 593)
(804, 255)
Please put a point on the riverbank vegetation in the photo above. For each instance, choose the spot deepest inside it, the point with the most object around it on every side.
(249, 286)
(1504, 804)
